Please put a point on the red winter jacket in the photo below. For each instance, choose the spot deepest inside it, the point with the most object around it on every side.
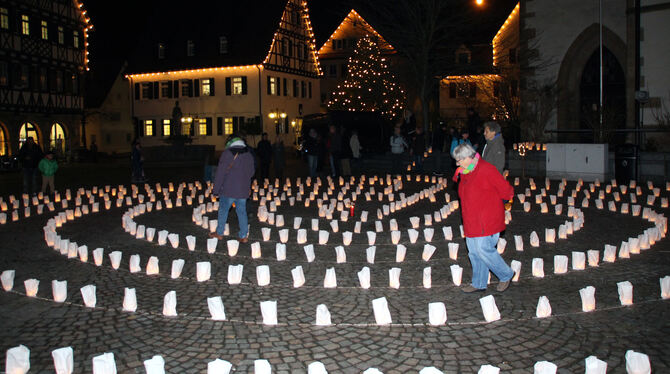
(482, 192)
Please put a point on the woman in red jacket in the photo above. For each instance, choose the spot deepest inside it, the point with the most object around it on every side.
(482, 190)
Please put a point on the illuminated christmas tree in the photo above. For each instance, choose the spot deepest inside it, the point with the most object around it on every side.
(370, 86)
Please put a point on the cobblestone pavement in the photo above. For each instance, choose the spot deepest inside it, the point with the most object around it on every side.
(353, 343)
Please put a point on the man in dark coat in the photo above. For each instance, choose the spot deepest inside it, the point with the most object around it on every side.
(494, 150)
(30, 155)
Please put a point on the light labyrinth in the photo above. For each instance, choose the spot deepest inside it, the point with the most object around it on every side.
(429, 249)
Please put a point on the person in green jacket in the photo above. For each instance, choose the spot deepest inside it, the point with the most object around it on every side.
(48, 167)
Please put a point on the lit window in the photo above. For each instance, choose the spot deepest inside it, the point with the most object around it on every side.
(186, 127)
(161, 51)
(61, 35)
(75, 39)
(202, 126)
(25, 25)
(4, 18)
(223, 45)
(149, 127)
(45, 30)
(237, 85)
(166, 127)
(190, 48)
(228, 125)
(273, 82)
(205, 87)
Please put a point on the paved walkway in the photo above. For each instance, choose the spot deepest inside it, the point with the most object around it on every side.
(353, 343)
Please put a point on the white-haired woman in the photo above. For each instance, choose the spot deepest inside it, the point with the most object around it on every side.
(482, 190)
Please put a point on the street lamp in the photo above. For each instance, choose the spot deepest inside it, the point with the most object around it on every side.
(479, 2)
(186, 121)
(276, 115)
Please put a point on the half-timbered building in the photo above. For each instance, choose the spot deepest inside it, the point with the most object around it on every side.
(43, 58)
(219, 71)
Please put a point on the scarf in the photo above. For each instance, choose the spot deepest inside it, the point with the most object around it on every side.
(466, 170)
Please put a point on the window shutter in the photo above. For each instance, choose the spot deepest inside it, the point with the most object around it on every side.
(286, 125)
(175, 89)
(211, 86)
(278, 86)
(154, 127)
(228, 86)
(156, 88)
(236, 125)
(141, 128)
(244, 85)
(190, 88)
(285, 93)
(241, 125)
(219, 125)
(192, 128)
(268, 86)
(151, 91)
(169, 91)
(209, 125)
(196, 87)
(137, 91)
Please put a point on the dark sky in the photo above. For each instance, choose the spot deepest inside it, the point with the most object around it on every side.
(119, 24)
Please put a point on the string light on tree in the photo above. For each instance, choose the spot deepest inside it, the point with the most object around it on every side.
(370, 86)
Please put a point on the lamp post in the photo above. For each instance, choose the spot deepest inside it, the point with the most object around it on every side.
(186, 121)
(276, 115)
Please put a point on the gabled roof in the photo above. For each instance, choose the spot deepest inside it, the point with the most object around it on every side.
(249, 27)
(353, 26)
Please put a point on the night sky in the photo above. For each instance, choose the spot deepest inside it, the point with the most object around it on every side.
(119, 24)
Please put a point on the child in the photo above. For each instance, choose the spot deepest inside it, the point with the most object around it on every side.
(48, 167)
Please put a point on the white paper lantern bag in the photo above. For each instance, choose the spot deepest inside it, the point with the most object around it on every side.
(316, 367)
(162, 237)
(538, 267)
(155, 365)
(543, 309)
(447, 232)
(378, 226)
(298, 276)
(170, 304)
(578, 261)
(502, 243)
(516, 266)
(104, 364)
(372, 237)
(456, 274)
(216, 309)
(370, 254)
(609, 255)
(488, 369)
(269, 312)
(309, 252)
(59, 290)
(280, 251)
(97, 256)
(129, 300)
(428, 234)
(437, 314)
(357, 227)
(489, 308)
(31, 286)
(544, 367)
(413, 235)
(203, 271)
(340, 254)
(211, 245)
(428, 251)
(394, 278)
(427, 281)
(256, 250)
(18, 360)
(323, 237)
(315, 224)
(534, 239)
(134, 264)
(233, 246)
(593, 256)
(263, 275)
(83, 253)
(235, 273)
(88, 294)
(453, 250)
(624, 251)
(588, 295)
(364, 277)
(400, 252)
(395, 237)
(665, 287)
(381, 311)
(637, 363)
(330, 280)
(518, 243)
(560, 264)
(322, 315)
(625, 290)
(177, 267)
(7, 278)
(374, 370)
(595, 366)
(174, 240)
(219, 366)
(63, 360)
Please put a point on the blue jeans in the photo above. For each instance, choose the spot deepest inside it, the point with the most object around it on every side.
(312, 163)
(484, 257)
(240, 208)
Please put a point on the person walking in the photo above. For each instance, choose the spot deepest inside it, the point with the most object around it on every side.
(48, 166)
(278, 157)
(418, 148)
(355, 146)
(137, 163)
(481, 191)
(464, 139)
(233, 184)
(398, 146)
(264, 152)
(312, 150)
(438, 147)
(30, 155)
(334, 147)
(494, 150)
